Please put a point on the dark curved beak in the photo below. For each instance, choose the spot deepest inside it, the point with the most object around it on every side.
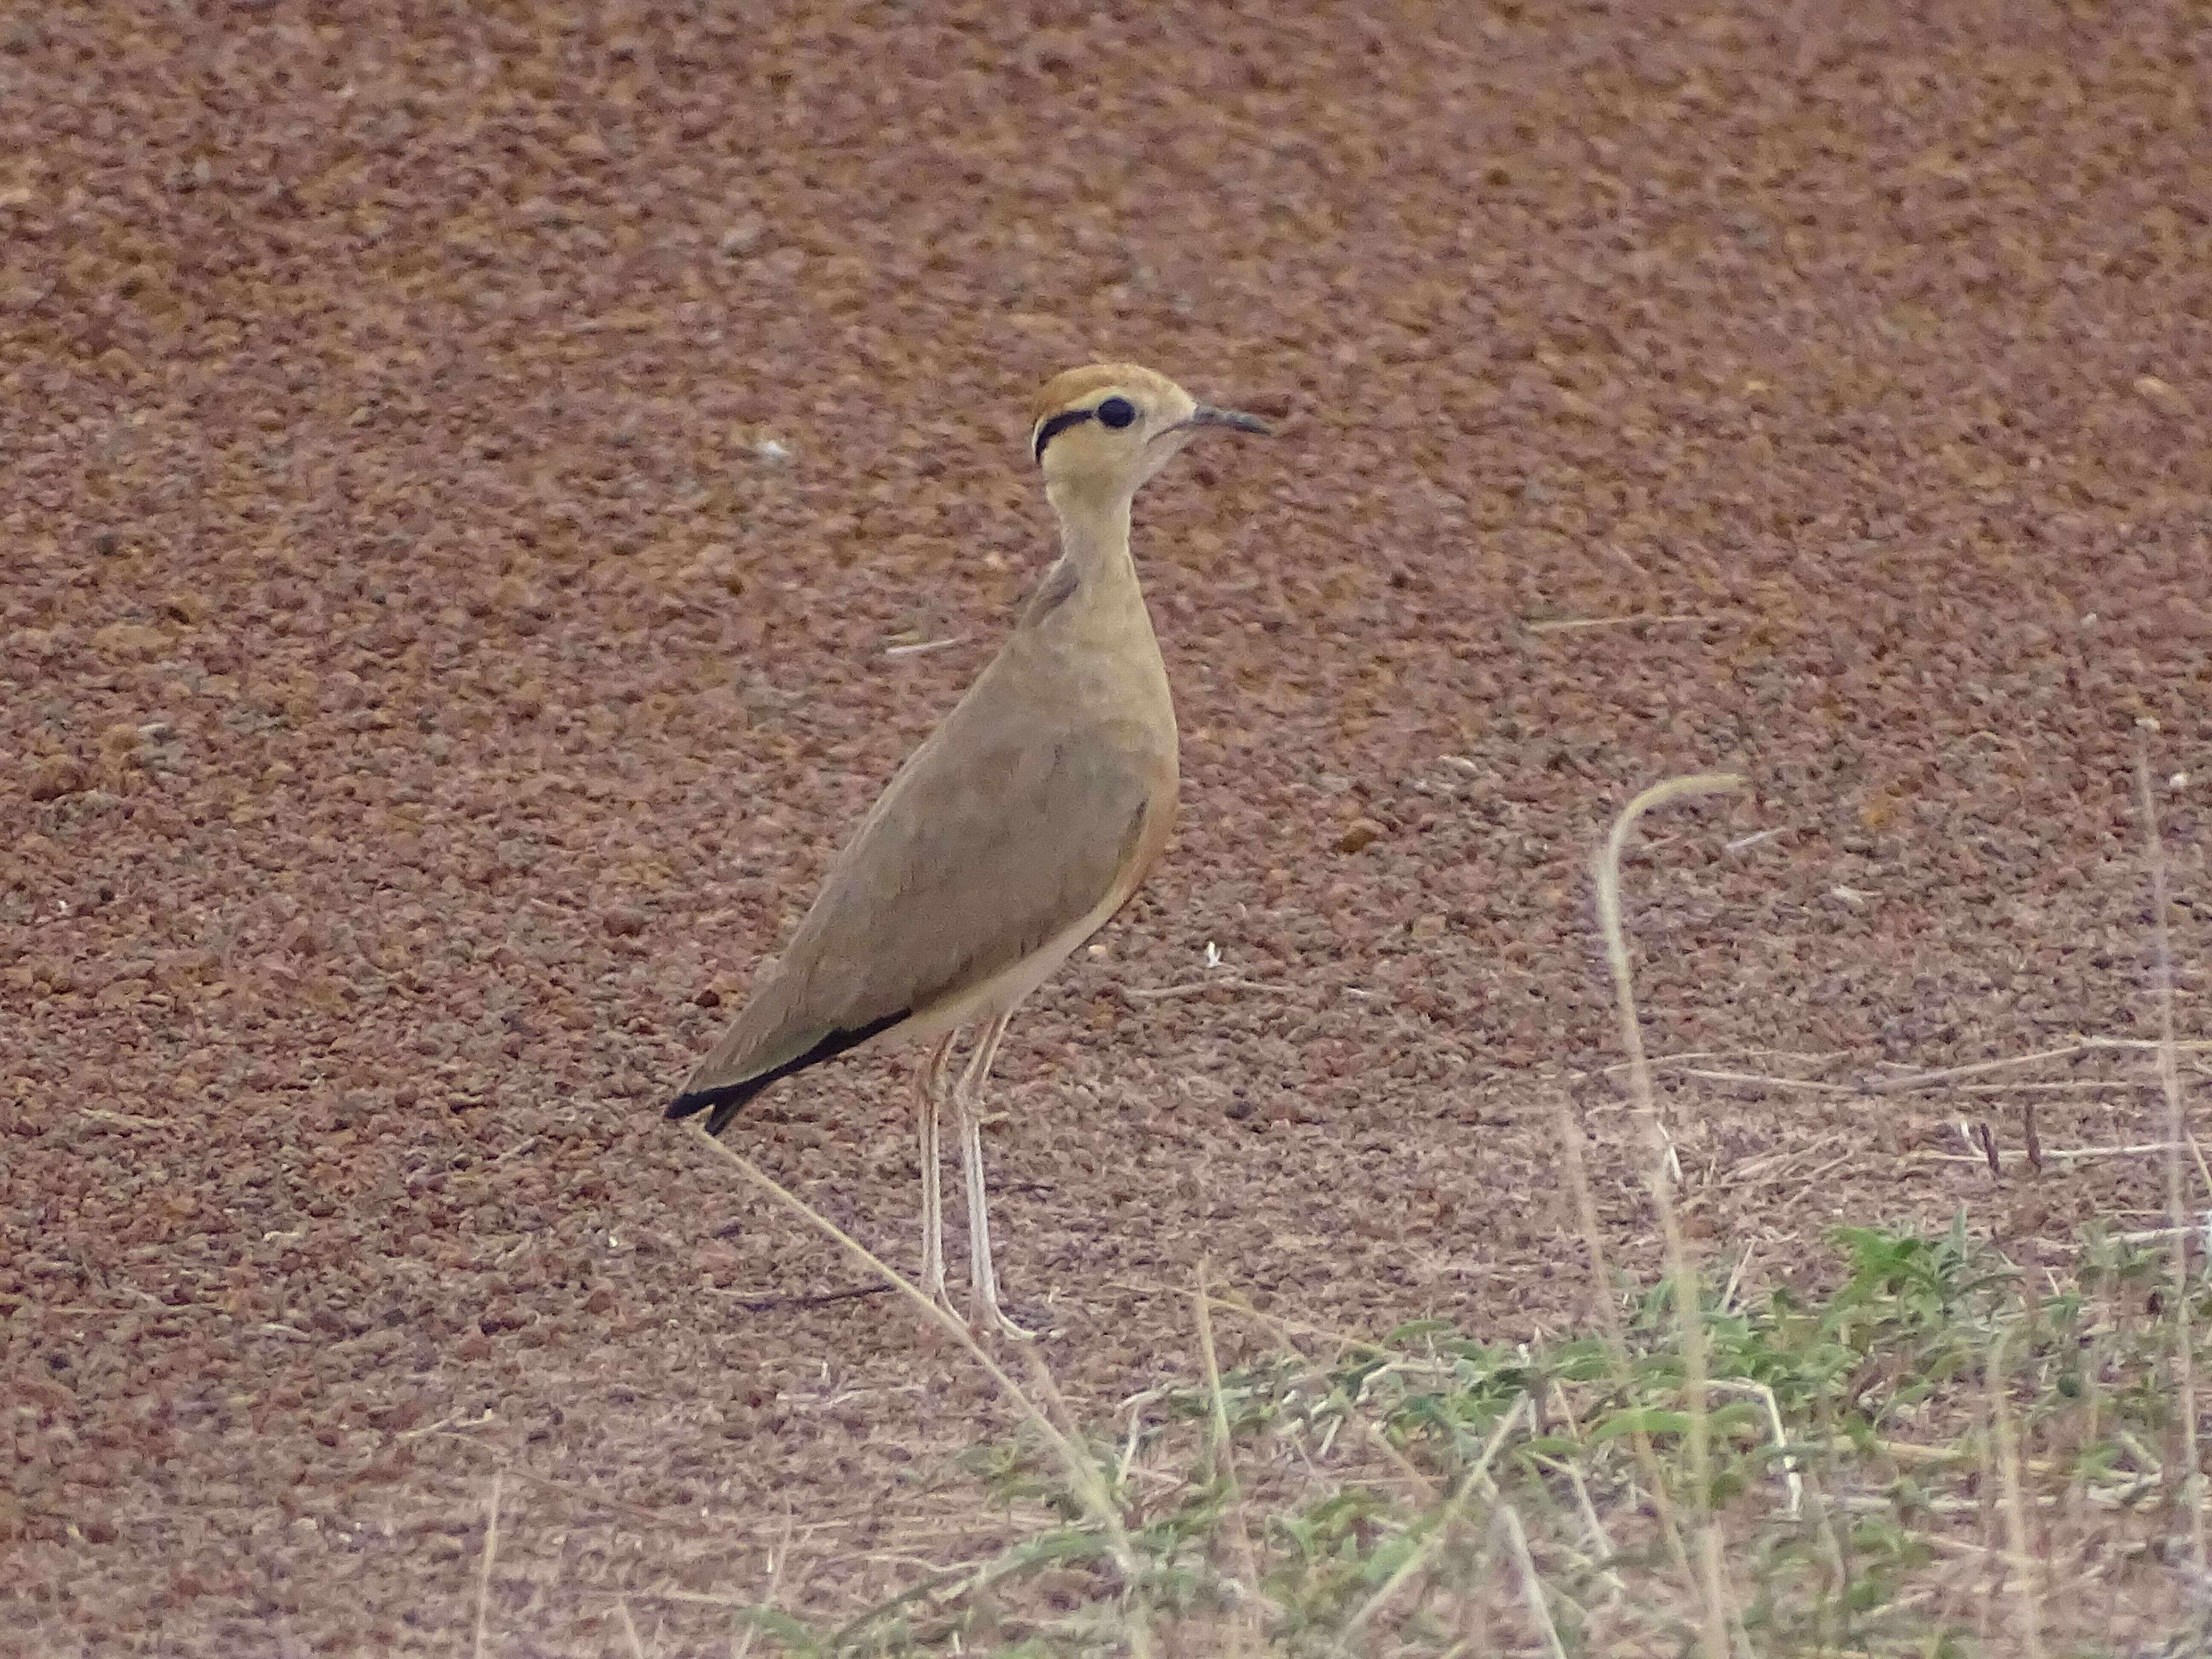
(1234, 419)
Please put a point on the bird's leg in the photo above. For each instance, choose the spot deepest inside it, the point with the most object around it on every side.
(929, 1096)
(967, 1095)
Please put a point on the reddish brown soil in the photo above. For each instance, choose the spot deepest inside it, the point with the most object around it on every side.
(420, 689)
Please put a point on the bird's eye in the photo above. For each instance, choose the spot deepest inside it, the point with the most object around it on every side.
(1116, 413)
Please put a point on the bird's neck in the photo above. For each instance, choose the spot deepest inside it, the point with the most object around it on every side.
(1094, 534)
(1088, 621)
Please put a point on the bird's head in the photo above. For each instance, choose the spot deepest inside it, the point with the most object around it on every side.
(1106, 428)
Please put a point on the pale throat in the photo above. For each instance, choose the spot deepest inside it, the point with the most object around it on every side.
(1094, 528)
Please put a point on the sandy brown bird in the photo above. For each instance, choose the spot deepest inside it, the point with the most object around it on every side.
(1023, 822)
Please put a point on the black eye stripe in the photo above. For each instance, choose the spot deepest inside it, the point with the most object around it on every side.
(1058, 424)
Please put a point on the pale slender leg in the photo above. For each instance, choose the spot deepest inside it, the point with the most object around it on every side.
(929, 1096)
(967, 1098)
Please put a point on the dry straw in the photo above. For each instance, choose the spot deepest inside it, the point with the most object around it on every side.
(1222, 1466)
(2020, 1558)
(1715, 1604)
(1085, 1478)
(2189, 1491)
(483, 1571)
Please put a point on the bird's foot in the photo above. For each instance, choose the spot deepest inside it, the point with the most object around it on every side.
(945, 1304)
(987, 1318)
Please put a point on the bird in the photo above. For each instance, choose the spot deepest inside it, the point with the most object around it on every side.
(1021, 825)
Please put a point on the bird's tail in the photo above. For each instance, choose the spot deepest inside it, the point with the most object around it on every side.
(722, 1097)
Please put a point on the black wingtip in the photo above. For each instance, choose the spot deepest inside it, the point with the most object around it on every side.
(722, 1104)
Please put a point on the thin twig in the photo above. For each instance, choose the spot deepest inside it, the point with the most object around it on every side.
(1576, 624)
(1192, 987)
(753, 1302)
(924, 647)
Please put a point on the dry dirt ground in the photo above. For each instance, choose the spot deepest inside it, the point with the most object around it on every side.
(425, 696)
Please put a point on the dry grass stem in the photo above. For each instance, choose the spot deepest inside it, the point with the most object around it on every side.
(1685, 1056)
(1532, 1586)
(2188, 1046)
(1579, 624)
(1808, 1084)
(1224, 1464)
(1660, 1179)
(1418, 1558)
(1593, 1532)
(483, 1572)
(674, 1519)
(1083, 1474)
(2190, 1489)
(2077, 1086)
(1793, 1483)
(629, 1629)
(1928, 1079)
(1615, 1337)
(2028, 1605)
(778, 1557)
(1192, 987)
(2017, 1154)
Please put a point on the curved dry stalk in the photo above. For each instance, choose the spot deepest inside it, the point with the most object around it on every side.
(1660, 1179)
